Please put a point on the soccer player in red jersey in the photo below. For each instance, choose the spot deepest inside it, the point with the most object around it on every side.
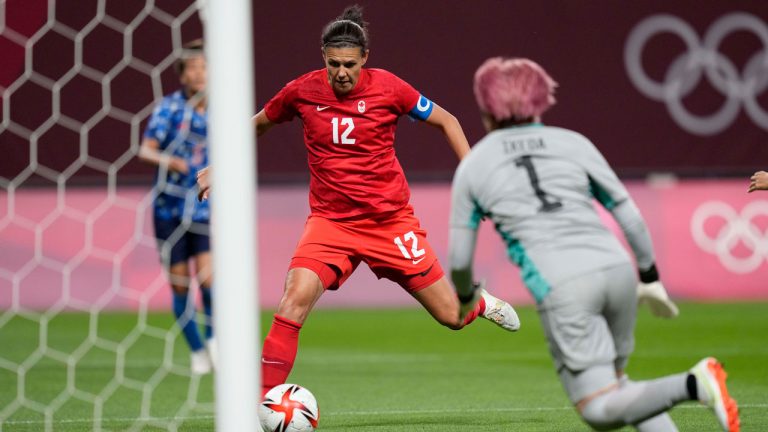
(359, 197)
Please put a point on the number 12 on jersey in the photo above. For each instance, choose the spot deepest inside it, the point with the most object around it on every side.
(345, 139)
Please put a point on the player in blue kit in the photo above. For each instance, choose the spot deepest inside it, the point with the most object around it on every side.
(176, 142)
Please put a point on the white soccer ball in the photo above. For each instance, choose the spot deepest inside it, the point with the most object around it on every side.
(289, 408)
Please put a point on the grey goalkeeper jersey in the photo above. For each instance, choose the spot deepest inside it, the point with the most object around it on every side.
(537, 184)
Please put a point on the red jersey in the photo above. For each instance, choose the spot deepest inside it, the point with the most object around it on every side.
(350, 140)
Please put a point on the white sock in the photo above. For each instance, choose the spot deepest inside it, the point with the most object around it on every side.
(636, 402)
(661, 423)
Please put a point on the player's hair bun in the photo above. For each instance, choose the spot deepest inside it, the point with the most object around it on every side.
(348, 30)
(353, 13)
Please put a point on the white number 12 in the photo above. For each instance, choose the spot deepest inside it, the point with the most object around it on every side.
(346, 121)
(414, 245)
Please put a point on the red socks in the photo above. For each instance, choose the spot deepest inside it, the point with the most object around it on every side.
(279, 352)
(282, 343)
(479, 309)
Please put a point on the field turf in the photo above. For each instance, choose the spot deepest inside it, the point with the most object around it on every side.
(371, 370)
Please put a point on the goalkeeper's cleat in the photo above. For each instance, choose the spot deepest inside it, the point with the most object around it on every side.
(710, 383)
(500, 312)
(200, 362)
(657, 299)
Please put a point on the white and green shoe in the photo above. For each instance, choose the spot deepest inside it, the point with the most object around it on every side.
(500, 312)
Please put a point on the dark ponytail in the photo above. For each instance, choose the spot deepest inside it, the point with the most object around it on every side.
(348, 30)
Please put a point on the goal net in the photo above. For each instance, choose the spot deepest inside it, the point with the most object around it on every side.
(87, 337)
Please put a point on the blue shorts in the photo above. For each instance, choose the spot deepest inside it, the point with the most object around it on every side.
(178, 242)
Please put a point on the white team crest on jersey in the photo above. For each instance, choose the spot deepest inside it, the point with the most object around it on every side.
(361, 106)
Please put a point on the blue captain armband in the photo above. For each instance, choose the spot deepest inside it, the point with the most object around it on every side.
(422, 110)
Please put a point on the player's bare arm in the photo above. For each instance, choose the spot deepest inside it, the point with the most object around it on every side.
(150, 152)
(262, 123)
(204, 183)
(758, 181)
(451, 128)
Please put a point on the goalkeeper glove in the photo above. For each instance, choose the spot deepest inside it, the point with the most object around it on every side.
(651, 291)
(655, 295)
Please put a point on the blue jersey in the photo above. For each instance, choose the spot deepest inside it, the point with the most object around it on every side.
(182, 132)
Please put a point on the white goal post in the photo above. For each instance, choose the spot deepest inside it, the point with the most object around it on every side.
(87, 338)
(230, 65)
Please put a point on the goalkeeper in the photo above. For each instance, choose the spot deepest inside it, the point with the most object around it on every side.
(537, 184)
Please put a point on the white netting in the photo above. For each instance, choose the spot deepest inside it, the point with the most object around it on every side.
(80, 344)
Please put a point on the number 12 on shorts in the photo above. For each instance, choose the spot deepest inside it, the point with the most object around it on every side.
(415, 251)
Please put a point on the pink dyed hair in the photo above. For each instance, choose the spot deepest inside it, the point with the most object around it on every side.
(507, 88)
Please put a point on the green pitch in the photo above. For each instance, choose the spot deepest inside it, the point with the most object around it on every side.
(381, 370)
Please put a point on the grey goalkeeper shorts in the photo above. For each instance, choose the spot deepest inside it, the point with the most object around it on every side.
(589, 323)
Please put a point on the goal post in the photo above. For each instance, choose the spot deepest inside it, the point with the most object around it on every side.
(231, 88)
(89, 337)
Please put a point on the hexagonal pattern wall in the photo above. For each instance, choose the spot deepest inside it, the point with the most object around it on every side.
(78, 81)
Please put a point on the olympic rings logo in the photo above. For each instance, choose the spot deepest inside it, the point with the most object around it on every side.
(703, 59)
(738, 227)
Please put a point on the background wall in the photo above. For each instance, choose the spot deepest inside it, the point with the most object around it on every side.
(709, 238)
(436, 46)
(78, 82)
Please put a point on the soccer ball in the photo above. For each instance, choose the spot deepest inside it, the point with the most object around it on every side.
(289, 408)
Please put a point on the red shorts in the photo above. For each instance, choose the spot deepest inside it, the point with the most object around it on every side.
(393, 245)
